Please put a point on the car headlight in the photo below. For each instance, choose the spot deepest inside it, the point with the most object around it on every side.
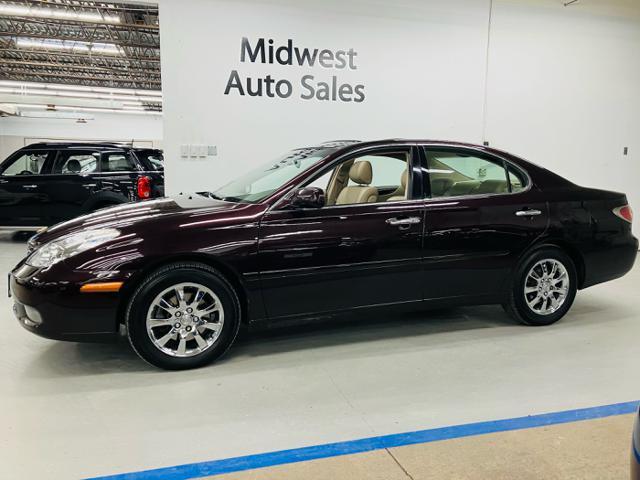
(69, 245)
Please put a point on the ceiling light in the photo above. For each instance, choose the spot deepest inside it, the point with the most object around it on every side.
(69, 45)
(63, 14)
(107, 110)
(30, 105)
(37, 106)
(146, 95)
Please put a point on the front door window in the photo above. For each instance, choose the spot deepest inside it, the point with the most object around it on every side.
(30, 163)
(370, 178)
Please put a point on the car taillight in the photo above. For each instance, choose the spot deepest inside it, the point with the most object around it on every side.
(624, 213)
(144, 187)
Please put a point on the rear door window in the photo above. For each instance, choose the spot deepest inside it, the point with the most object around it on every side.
(456, 173)
(76, 162)
(28, 163)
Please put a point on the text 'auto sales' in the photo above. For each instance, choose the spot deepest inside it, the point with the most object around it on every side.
(311, 88)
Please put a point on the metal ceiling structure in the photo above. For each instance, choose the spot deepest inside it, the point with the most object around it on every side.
(75, 42)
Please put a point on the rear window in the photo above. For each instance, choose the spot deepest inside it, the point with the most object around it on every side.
(153, 159)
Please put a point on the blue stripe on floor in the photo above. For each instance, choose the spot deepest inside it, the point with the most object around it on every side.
(250, 462)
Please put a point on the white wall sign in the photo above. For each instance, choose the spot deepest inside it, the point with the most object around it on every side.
(307, 86)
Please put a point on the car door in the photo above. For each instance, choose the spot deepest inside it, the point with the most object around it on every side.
(345, 256)
(481, 215)
(21, 196)
(70, 184)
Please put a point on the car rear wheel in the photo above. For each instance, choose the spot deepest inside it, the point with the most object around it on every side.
(543, 288)
(183, 316)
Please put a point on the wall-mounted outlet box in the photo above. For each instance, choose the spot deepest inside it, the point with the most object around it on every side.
(196, 151)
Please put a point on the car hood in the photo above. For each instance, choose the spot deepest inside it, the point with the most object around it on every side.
(133, 214)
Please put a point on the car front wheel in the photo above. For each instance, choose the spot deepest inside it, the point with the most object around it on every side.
(543, 288)
(183, 316)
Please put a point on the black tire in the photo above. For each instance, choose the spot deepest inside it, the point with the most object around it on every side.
(516, 305)
(142, 298)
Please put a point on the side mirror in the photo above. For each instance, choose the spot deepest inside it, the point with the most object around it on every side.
(309, 197)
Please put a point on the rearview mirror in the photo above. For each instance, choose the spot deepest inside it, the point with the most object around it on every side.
(309, 197)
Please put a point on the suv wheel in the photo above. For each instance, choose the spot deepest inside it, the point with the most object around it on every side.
(543, 288)
(183, 316)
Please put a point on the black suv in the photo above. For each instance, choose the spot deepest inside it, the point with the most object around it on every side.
(46, 183)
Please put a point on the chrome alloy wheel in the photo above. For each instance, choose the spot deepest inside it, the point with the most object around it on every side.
(185, 320)
(546, 286)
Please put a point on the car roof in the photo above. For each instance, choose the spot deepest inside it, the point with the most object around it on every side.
(346, 145)
(95, 145)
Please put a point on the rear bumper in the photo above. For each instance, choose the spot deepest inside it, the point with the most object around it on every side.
(60, 311)
(610, 262)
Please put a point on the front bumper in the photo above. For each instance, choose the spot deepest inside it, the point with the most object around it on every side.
(58, 310)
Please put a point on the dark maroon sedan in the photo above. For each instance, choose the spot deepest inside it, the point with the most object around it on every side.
(333, 228)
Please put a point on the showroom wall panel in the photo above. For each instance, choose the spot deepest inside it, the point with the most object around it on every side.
(564, 88)
(421, 64)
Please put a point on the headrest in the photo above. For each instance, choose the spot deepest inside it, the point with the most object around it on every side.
(74, 166)
(361, 172)
(403, 179)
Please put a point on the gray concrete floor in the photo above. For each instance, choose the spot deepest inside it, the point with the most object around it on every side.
(72, 410)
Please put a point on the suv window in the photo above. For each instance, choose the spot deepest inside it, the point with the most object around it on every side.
(116, 162)
(75, 162)
(453, 174)
(154, 158)
(29, 163)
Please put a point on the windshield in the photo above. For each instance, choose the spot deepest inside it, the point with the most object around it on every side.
(261, 182)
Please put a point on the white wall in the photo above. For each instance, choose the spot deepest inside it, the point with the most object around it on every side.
(16, 132)
(564, 89)
(422, 63)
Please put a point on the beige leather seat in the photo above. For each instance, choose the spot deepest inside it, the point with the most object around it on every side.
(440, 185)
(463, 187)
(362, 174)
(492, 186)
(403, 188)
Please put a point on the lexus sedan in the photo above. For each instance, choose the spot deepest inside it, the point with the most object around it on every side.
(334, 228)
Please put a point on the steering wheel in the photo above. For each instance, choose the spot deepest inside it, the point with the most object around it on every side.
(26, 172)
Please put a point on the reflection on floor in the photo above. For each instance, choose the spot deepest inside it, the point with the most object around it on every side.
(106, 412)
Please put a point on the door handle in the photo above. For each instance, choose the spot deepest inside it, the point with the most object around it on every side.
(403, 221)
(30, 186)
(528, 213)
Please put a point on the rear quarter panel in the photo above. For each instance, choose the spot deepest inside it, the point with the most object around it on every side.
(582, 219)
